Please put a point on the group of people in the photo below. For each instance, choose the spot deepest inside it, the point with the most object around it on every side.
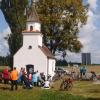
(82, 73)
(11, 76)
(27, 79)
(30, 79)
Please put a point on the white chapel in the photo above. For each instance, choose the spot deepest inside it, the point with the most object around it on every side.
(34, 54)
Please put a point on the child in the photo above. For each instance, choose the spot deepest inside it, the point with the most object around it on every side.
(46, 84)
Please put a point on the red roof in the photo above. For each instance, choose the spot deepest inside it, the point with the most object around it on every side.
(25, 31)
(46, 51)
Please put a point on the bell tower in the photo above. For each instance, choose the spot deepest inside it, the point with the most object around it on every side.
(32, 35)
(33, 23)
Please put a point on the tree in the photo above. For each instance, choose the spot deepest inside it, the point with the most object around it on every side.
(60, 23)
(13, 11)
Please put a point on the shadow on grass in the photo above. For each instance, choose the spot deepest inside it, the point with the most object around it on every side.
(93, 99)
(4, 88)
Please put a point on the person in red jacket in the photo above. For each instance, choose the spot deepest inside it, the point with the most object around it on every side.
(6, 75)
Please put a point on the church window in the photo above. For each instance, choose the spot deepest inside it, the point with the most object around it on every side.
(31, 28)
(30, 47)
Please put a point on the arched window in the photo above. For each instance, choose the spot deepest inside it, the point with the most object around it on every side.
(31, 28)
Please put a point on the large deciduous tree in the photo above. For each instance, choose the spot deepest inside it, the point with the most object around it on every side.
(60, 23)
(13, 11)
(61, 20)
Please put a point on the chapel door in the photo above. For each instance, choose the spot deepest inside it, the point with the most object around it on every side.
(30, 68)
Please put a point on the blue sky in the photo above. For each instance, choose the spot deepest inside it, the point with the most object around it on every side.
(4, 30)
(89, 35)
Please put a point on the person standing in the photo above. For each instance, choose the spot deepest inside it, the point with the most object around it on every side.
(81, 72)
(34, 79)
(84, 72)
(20, 80)
(6, 76)
(14, 78)
(30, 78)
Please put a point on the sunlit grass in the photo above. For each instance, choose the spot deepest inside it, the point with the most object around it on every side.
(82, 90)
(37, 94)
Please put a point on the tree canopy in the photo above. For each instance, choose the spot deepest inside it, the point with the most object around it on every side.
(13, 11)
(61, 20)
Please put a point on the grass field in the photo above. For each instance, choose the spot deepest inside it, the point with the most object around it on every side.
(82, 90)
(89, 69)
(3, 67)
(37, 94)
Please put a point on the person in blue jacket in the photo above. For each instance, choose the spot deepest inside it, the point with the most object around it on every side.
(35, 79)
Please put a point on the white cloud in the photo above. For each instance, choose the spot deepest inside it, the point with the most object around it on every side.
(90, 35)
(93, 4)
(4, 48)
(87, 31)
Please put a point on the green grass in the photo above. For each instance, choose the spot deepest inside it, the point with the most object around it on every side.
(87, 89)
(3, 67)
(82, 90)
(37, 94)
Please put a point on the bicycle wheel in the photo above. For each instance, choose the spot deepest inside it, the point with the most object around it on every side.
(70, 86)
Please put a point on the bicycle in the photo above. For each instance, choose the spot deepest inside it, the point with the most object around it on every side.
(66, 84)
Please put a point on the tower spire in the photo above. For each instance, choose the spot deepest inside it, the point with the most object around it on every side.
(32, 15)
(33, 2)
